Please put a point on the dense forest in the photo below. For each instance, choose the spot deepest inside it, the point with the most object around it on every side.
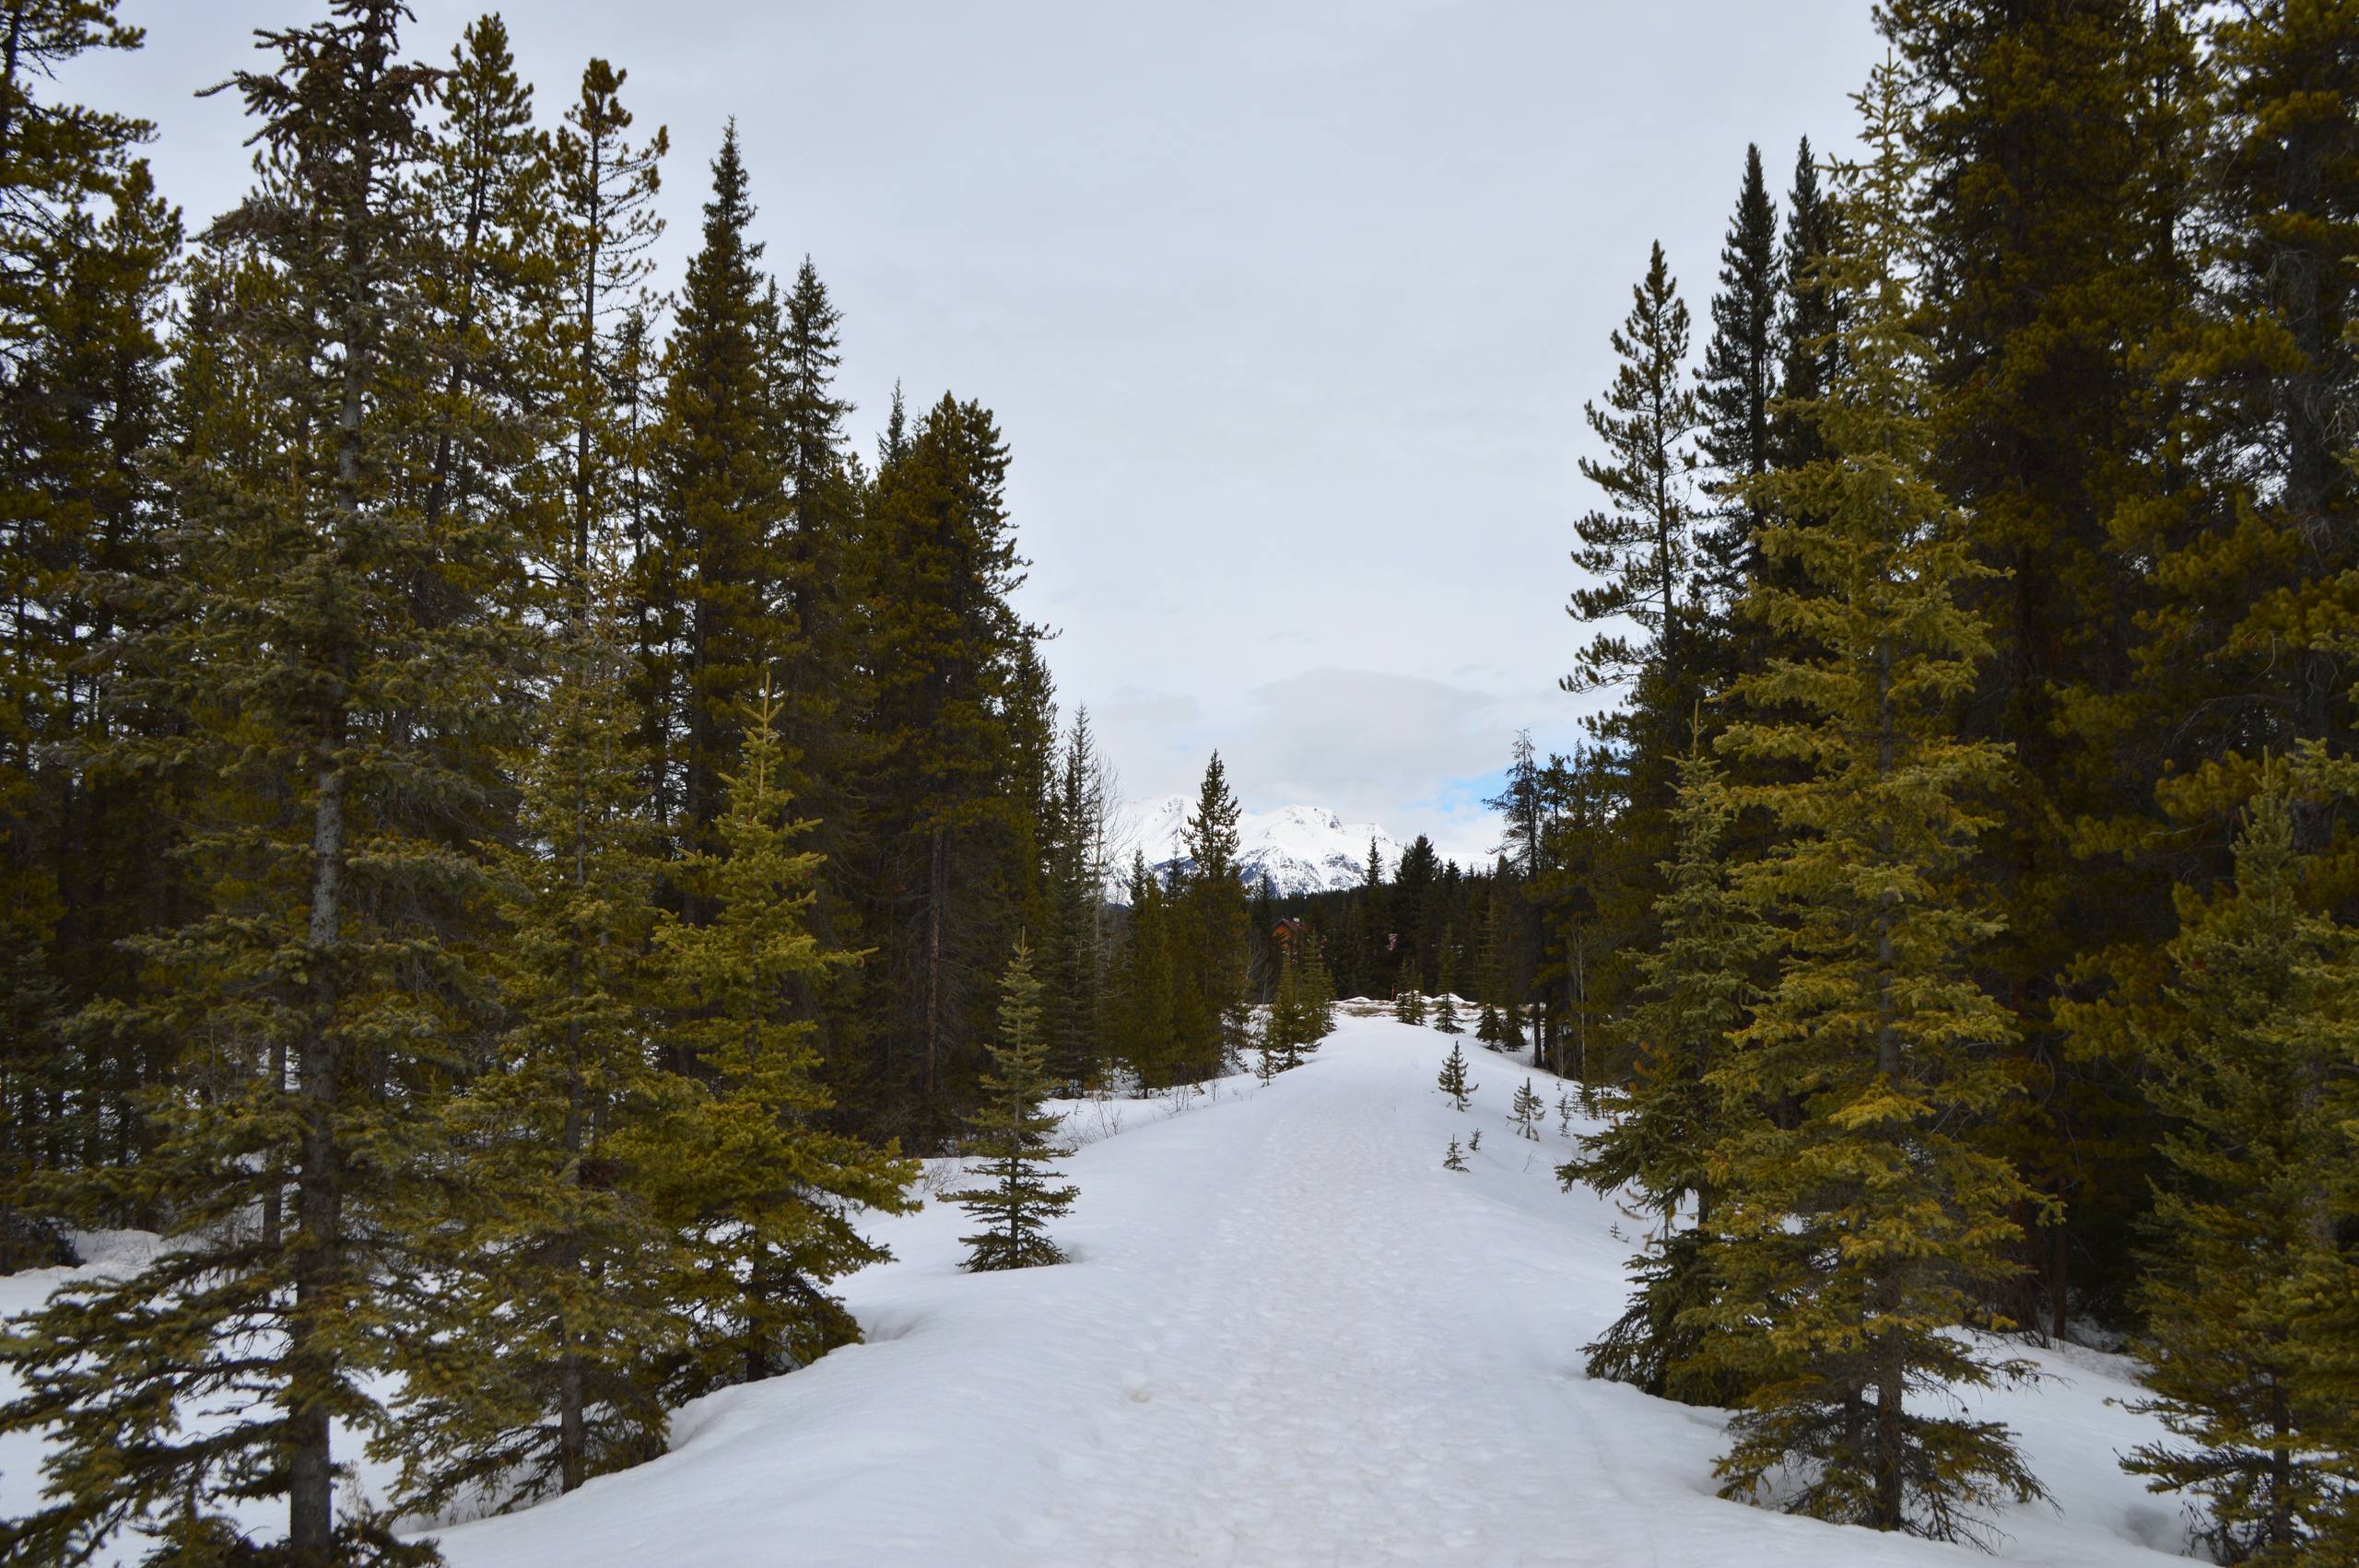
(516, 830)
(513, 824)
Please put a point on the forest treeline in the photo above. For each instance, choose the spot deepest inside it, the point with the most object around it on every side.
(513, 823)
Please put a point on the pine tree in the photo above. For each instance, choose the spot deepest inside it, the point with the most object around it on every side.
(1072, 949)
(1868, 1219)
(710, 587)
(1015, 1138)
(1445, 1014)
(2050, 282)
(1642, 552)
(1146, 1027)
(1212, 907)
(1488, 1029)
(1452, 1082)
(1738, 385)
(944, 853)
(1527, 1112)
(2246, 1367)
(1810, 344)
(762, 1197)
(489, 291)
(1409, 1005)
(1453, 1159)
(606, 190)
(334, 656)
(532, 1363)
(1692, 1001)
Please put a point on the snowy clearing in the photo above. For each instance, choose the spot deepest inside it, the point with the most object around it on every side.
(1287, 1336)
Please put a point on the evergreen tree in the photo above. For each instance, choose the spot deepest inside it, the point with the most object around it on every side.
(1015, 1138)
(1488, 1029)
(945, 856)
(1211, 908)
(710, 585)
(2050, 285)
(489, 291)
(2249, 1369)
(762, 1198)
(1692, 1001)
(606, 190)
(1453, 1159)
(1810, 346)
(1145, 984)
(532, 1365)
(1867, 1216)
(334, 656)
(1527, 1112)
(1453, 1077)
(1641, 553)
(1409, 1005)
(1073, 954)
(1445, 1014)
(1738, 386)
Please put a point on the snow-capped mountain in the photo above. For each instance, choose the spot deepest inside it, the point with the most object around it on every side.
(1300, 848)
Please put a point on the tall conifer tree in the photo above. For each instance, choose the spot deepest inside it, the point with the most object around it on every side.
(2251, 1361)
(1868, 1215)
(327, 644)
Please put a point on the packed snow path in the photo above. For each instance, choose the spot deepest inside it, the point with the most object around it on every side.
(1287, 1336)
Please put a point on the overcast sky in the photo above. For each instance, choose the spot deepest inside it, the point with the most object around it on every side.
(1288, 311)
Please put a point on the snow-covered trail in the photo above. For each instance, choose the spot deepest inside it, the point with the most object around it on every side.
(1289, 1336)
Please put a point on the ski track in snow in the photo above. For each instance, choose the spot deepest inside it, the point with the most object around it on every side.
(1289, 1336)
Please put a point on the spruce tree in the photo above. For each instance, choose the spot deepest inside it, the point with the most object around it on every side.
(1072, 948)
(2053, 270)
(943, 856)
(531, 1364)
(710, 586)
(605, 188)
(1213, 913)
(1868, 1216)
(1691, 1003)
(1015, 1138)
(1144, 985)
(1527, 1112)
(1737, 388)
(489, 291)
(762, 1197)
(2249, 1367)
(1452, 1082)
(1810, 348)
(1452, 1158)
(1445, 1014)
(1488, 1029)
(1641, 552)
(334, 657)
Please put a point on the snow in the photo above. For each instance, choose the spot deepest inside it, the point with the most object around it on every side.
(1300, 848)
(1287, 1335)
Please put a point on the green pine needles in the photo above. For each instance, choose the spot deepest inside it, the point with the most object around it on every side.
(2252, 1290)
(1014, 1138)
(1453, 1081)
(1528, 1112)
(1855, 1236)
